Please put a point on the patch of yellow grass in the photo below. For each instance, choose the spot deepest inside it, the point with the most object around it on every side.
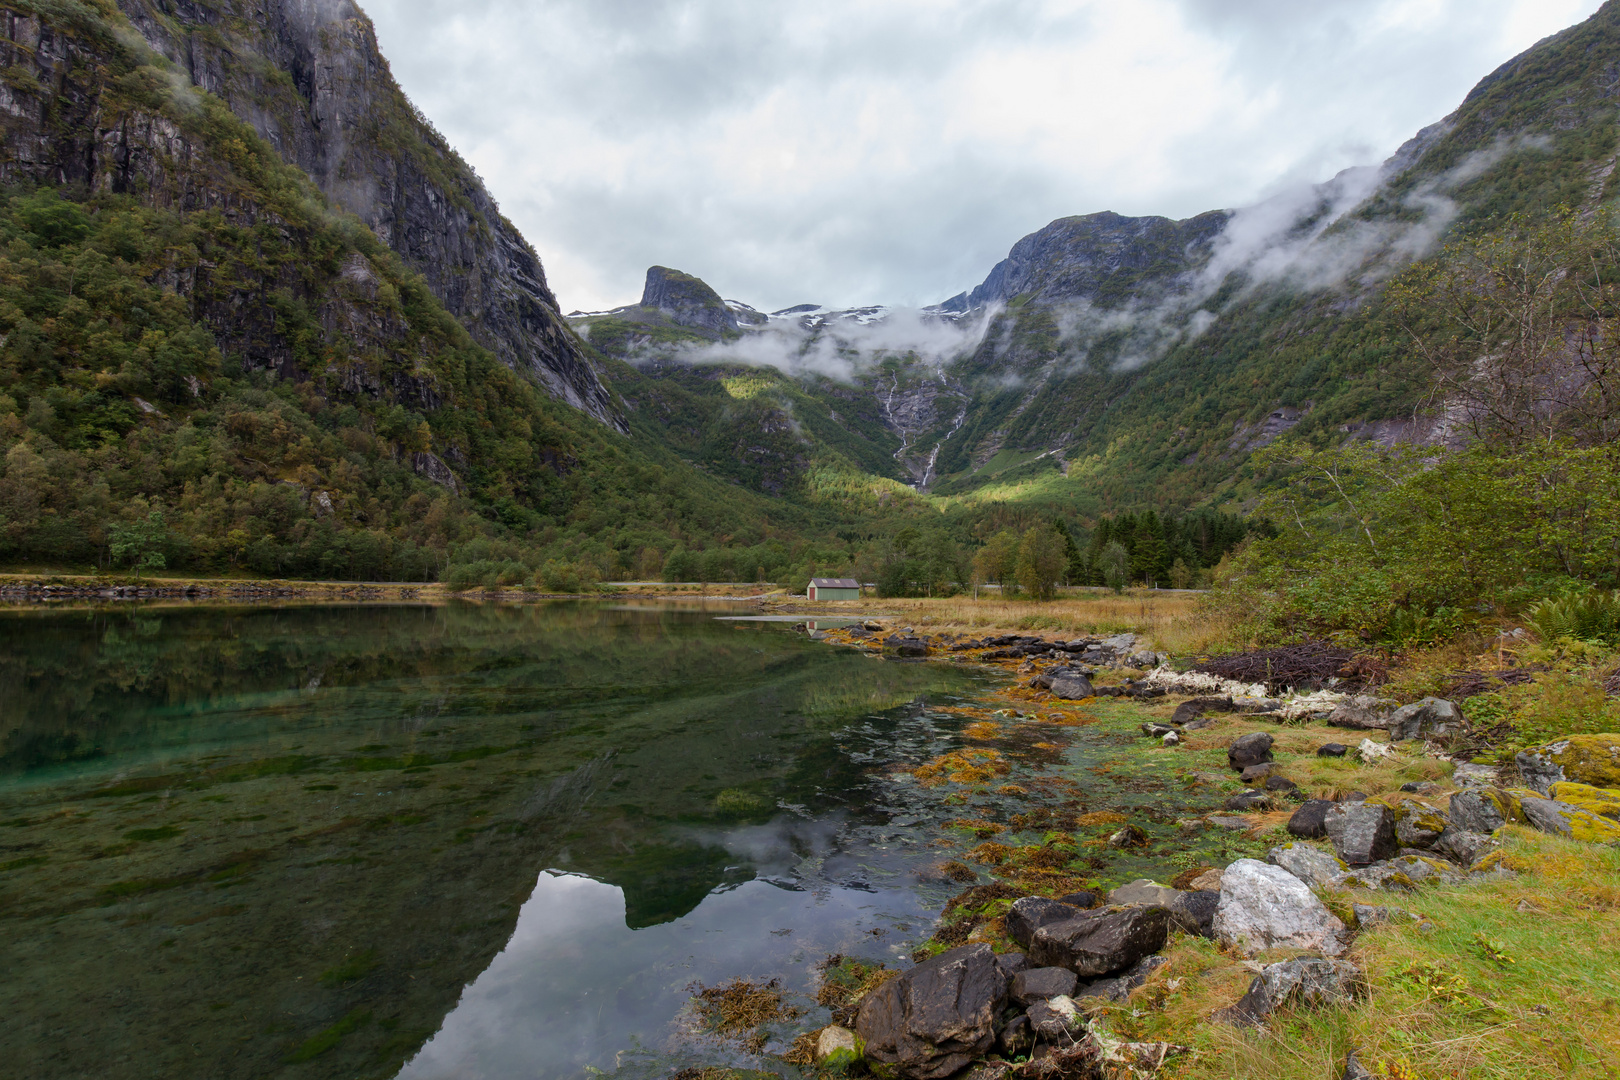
(975, 766)
(1175, 622)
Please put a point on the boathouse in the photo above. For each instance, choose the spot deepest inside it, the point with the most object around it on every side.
(833, 588)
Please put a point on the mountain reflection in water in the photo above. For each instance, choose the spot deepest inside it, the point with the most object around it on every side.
(464, 840)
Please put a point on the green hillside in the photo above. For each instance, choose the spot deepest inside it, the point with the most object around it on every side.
(265, 376)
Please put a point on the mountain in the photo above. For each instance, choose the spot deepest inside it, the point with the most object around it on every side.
(208, 361)
(255, 313)
(1112, 361)
(308, 77)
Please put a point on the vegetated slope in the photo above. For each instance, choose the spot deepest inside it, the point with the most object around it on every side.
(1146, 358)
(309, 78)
(186, 326)
(778, 434)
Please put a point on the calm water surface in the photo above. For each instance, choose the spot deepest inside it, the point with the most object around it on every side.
(462, 841)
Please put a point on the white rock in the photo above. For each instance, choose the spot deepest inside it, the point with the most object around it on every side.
(832, 1039)
(1372, 753)
(1265, 907)
(1313, 865)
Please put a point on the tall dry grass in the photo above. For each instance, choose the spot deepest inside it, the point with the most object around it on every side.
(1174, 622)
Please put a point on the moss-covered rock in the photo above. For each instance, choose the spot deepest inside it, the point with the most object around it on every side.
(1417, 824)
(1584, 759)
(1603, 802)
(1589, 759)
(1485, 810)
(1563, 819)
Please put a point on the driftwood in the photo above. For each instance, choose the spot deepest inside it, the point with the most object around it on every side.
(1309, 665)
(1465, 684)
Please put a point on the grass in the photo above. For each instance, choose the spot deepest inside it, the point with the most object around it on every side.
(740, 1009)
(1509, 979)
(1175, 622)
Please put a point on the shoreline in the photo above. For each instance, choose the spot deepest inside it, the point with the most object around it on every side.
(1199, 1000)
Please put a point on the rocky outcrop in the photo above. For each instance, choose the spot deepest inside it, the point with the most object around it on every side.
(308, 76)
(933, 1020)
(686, 301)
(1096, 257)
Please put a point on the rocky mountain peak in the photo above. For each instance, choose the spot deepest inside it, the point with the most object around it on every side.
(687, 301)
(1100, 257)
(308, 76)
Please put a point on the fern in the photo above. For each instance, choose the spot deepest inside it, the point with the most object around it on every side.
(1594, 616)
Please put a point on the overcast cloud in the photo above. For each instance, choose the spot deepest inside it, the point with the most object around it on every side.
(891, 151)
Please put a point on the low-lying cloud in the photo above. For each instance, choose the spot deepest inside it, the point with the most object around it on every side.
(1308, 237)
(842, 345)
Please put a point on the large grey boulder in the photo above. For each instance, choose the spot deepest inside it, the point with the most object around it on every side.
(1039, 984)
(1431, 716)
(1360, 713)
(1251, 749)
(1101, 942)
(931, 1021)
(1033, 912)
(1313, 865)
(1309, 821)
(1072, 688)
(1265, 907)
(1309, 982)
(1362, 832)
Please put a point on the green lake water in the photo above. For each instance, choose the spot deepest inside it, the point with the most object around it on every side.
(461, 840)
(472, 841)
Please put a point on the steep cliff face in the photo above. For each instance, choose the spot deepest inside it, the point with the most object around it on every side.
(308, 76)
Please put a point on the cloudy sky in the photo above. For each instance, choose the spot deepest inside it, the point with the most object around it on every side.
(859, 151)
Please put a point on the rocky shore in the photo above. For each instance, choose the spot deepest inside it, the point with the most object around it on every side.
(1039, 986)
